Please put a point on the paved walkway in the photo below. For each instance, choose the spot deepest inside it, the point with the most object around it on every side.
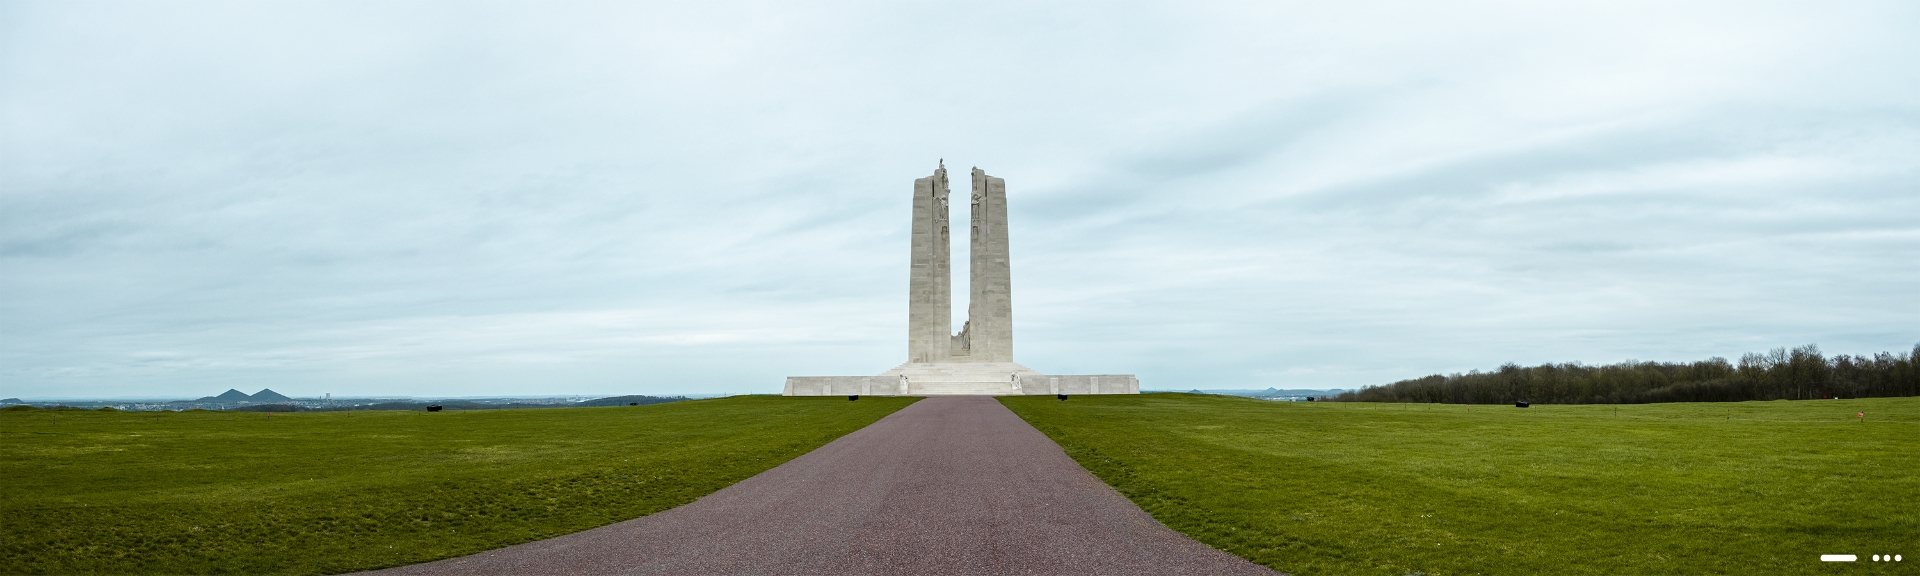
(948, 485)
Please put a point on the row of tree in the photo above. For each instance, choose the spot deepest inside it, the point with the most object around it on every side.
(1796, 374)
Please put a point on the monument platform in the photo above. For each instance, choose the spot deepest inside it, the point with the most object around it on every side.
(961, 379)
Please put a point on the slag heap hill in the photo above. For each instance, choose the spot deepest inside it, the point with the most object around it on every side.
(231, 396)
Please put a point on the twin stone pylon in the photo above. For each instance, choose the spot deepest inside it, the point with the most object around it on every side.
(988, 334)
(978, 359)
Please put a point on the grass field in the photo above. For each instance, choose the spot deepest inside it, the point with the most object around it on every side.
(1395, 489)
(225, 492)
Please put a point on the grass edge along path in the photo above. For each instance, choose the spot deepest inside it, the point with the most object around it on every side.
(229, 492)
(1394, 489)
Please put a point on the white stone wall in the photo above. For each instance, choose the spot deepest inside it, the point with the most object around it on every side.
(1080, 384)
(1030, 384)
(841, 386)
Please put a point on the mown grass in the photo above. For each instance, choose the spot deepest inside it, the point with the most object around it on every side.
(225, 492)
(1365, 488)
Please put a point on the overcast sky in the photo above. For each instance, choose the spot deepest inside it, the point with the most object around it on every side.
(463, 198)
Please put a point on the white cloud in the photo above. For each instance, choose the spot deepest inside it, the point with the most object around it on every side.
(473, 198)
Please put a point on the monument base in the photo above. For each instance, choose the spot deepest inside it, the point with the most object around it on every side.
(961, 379)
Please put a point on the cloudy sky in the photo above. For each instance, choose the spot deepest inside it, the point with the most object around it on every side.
(527, 198)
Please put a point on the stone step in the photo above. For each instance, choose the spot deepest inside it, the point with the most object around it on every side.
(934, 388)
(917, 378)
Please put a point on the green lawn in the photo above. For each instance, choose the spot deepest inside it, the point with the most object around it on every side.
(201, 492)
(1394, 489)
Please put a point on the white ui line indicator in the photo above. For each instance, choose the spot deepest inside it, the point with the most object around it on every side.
(1853, 558)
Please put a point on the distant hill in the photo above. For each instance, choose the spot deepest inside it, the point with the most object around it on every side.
(631, 400)
(230, 396)
(12, 401)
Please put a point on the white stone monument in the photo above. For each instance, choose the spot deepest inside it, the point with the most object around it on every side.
(978, 360)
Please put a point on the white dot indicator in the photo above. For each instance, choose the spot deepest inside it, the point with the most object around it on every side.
(1838, 558)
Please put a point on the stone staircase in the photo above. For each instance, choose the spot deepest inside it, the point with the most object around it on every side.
(959, 389)
(958, 378)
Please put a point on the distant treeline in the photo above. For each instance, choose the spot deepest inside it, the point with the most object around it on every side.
(1797, 374)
